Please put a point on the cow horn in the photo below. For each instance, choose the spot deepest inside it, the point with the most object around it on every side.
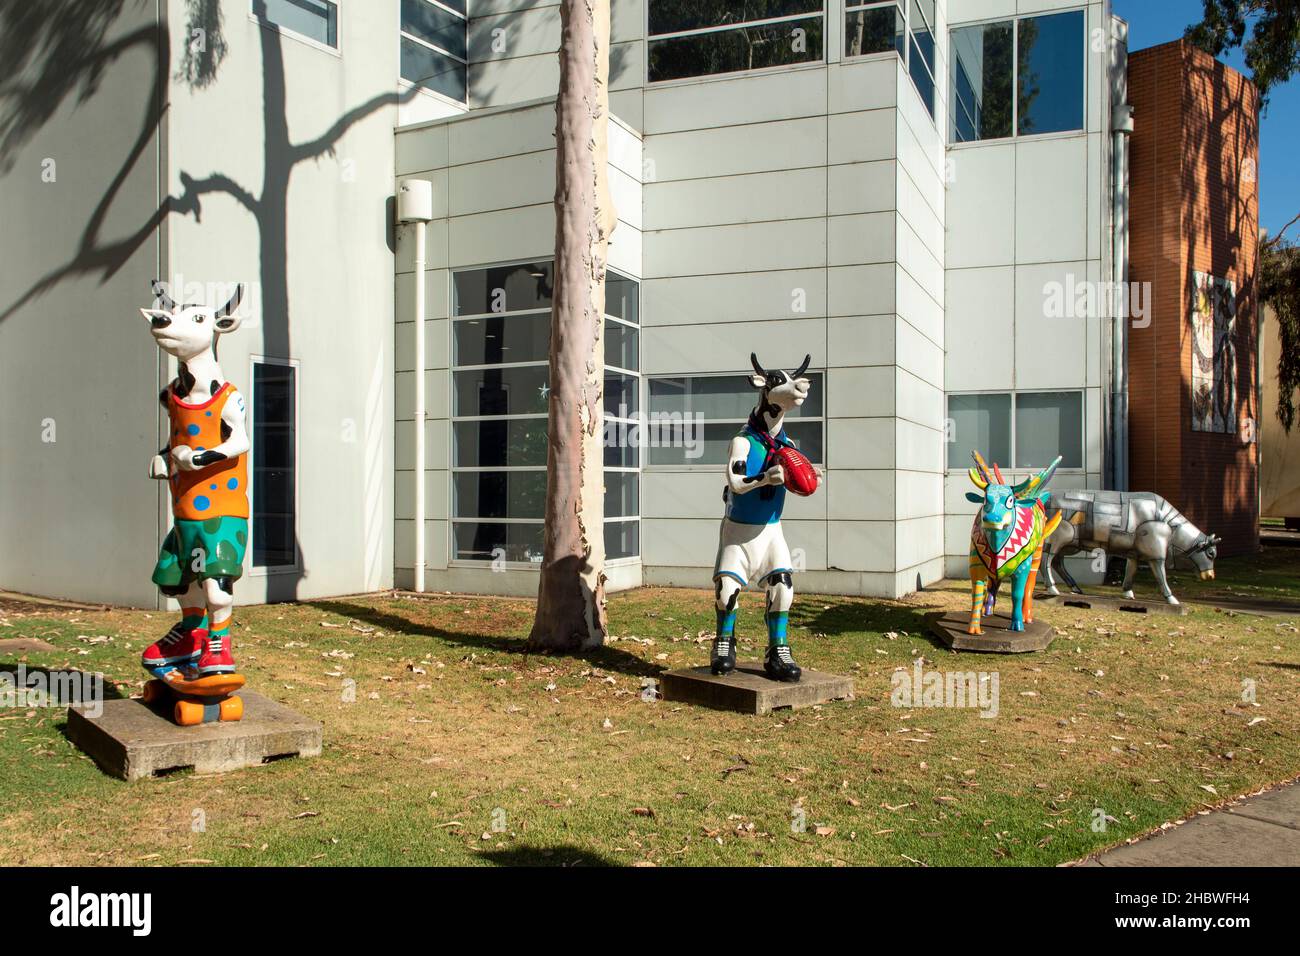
(753, 360)
(230, 307)
(161, 295)
(807, 360)
(979, 475)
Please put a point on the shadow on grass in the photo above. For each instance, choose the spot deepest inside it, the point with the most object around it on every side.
(837, 617)
(546, 856)
(61, 686)
(606, 658)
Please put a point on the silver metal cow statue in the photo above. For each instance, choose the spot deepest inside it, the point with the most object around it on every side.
(1137, 526)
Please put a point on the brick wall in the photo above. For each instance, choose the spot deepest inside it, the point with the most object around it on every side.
(1194, 207)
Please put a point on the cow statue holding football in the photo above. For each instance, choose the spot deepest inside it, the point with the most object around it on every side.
(762, 464)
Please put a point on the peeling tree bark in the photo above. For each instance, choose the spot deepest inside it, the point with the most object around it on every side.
(571, 592)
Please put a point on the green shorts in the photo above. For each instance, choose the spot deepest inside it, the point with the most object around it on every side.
(198, 550)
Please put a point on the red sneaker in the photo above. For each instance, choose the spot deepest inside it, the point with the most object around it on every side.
(179, 647)
(216, 657)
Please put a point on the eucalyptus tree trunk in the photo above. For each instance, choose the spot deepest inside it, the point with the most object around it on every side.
(571, 592)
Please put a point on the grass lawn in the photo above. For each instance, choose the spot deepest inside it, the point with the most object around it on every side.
(461, 749)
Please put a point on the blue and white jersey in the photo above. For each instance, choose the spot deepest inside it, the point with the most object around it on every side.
(762, 505)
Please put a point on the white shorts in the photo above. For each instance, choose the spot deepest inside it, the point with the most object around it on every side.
(751, 552)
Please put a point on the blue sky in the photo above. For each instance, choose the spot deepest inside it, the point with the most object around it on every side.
(1157, 21)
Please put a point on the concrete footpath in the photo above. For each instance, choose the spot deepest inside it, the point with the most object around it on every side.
(1255, 831)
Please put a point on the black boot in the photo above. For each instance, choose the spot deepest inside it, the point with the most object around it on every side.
(723, 659)
(780, 665)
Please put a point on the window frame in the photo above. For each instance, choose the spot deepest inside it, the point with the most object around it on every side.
(1081, 391)
(266, 570)
(857, 6)
(292, 34)
(403, 35)
(1014, 20)
(690, 467)
(453, 418)
(820, 62)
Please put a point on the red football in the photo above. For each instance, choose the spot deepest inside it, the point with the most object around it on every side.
(800, 475)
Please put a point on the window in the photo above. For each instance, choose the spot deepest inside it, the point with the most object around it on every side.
(692, 419)
(500, 353)
(315, 19)
(435, 46)
(275, 452)
(920, 60)
(1046, 424)
(707, 37)
(874, 28)
(904, 26)
(1018, 77)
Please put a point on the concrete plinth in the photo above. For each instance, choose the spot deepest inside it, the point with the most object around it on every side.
(749, 690)
(1110, 602)
(997, 638)
(131, 740)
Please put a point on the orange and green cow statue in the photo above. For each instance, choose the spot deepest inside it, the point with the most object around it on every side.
(1006, 541)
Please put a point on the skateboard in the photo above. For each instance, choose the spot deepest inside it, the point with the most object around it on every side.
(201, 700)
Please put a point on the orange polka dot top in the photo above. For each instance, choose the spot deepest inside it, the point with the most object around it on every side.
(220, 490)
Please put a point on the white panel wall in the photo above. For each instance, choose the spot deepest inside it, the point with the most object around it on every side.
(1026, 216)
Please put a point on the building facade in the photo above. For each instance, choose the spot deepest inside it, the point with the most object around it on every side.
(927, 196)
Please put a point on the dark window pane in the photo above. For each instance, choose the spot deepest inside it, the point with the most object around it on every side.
(1051, 73)
(503, 289)
(622, 539)
(434, 25)
(722, 397)
(519, 441)
(273, 426)
(620, 450)
(673, 16)
(316, 19)
(622, 491)
(731, 51)
(621, 346)
(500, 391)
(620, 395)
(495, 339)
(686, 444)
(979, 423)
(433, 70)
(457, 5)
(874, 31)
(1049, 424)
(499, 494)
(487, 541)
(621, 297)
(982, 81)
(922, 32)
(921, 78)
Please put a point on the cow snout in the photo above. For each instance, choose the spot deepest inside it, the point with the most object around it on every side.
(1207, 575)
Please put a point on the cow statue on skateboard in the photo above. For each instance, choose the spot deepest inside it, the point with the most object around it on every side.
(205, 465)
(1007, 541)
(762, 463)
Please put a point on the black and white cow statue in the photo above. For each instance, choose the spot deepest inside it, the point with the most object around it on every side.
(762, 463)
(1138, 526)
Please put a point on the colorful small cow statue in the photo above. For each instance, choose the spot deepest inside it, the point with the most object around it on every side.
(761, 464)
(1007, 540)
(205, 466)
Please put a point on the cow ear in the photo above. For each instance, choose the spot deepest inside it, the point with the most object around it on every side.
(228, 323)
(975, 499)
(758, 381)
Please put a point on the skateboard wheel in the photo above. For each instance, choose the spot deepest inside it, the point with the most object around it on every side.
(188, 713)
(152, 691)
(232, 708)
